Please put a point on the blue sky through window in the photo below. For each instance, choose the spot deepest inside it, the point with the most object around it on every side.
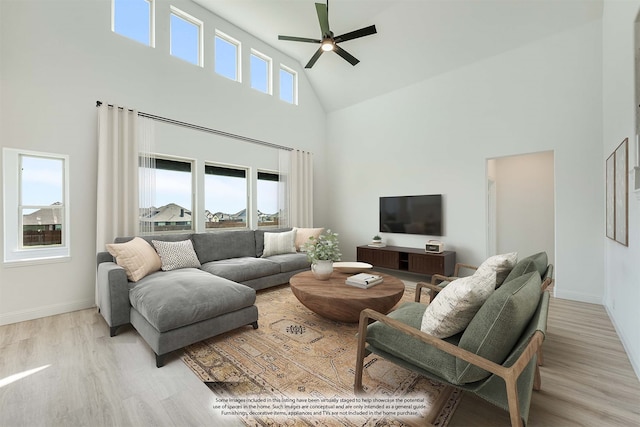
(226, 62)
(41, 181)
(287, 85)
(259, 74)
(132, 18)
(185, 39)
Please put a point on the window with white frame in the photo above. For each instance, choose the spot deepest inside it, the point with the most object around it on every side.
(288, 85)
(227, 56)
(170, 206)
(186, 37)
(261, 72)
(36, 208)
(267, 199)
(225, 197)
(134, 19)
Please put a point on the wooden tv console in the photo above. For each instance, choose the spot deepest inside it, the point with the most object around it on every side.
(412, 260)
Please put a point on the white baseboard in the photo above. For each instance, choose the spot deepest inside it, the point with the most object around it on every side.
(633, 358)
(578, 296)
(49, 310)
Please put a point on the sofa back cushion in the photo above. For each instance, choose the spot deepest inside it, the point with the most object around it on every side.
(224, 245)
(536, 262)
(496, 328)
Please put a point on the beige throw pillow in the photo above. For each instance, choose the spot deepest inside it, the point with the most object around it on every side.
(452, 310)
(175, 255)
(303, 235)
(279, 243)
(136, 256)
(501, 264)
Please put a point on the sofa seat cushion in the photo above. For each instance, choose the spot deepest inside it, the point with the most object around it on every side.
(536, 262)
(172, 299)
(290, 262)
(410, 349)
(241, 269)
(495, 329)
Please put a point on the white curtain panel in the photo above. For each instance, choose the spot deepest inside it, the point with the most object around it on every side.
(284, 197)
(146, 174)
(301, 189)
(117, 192)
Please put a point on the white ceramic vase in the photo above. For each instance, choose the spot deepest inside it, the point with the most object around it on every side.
(322, 269)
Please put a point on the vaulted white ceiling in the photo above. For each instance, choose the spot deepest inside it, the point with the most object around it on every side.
(416, 39)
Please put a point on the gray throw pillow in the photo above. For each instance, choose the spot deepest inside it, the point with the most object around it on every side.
(175, 255)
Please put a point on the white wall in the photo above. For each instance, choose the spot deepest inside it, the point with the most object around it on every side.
(525, 204)
(435, 137)
(59, 57)
(622, 264)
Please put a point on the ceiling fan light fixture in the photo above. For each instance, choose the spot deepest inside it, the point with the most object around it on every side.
(328, 45)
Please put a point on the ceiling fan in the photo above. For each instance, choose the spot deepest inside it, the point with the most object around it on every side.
(329, 42)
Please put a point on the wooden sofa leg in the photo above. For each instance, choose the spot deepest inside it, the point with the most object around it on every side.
(112, 331)
(254, 324)
(514, 404)
(361, 354)
(540, 357)
(537, 381)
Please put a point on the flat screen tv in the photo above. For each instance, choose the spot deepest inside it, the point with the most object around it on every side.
(412, 214)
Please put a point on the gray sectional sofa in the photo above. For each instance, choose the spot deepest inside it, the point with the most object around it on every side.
(172, 309)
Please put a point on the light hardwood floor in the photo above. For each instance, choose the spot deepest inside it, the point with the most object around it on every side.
(90, 379)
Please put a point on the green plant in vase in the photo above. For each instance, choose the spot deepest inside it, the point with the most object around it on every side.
(322, 252)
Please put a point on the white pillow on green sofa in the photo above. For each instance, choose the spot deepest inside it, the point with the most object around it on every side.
(452, 309)
(502, 265)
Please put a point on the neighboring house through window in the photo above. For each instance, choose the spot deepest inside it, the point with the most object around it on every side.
(36, 209)
(225, 197)
(170, 204)
(267, 200)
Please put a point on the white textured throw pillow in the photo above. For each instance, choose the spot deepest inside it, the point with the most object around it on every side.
(136, 256)
(279, 243)
(451, 311)
(501, 264)
(175, 255)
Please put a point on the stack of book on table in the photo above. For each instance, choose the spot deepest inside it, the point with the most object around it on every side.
(364, 280)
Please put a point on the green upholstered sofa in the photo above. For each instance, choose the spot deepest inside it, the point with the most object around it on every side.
(495, 357)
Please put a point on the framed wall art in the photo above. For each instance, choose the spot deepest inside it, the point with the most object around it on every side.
(622, 193)
(611, 219)
(617, 193)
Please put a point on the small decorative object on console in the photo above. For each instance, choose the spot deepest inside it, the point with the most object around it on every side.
(434, 247)
(376, 242)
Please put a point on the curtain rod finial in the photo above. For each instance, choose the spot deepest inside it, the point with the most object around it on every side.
(98, 103)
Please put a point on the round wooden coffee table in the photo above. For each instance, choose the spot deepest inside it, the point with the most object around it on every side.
(335, 300)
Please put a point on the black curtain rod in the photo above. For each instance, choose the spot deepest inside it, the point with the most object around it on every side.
(204, 129)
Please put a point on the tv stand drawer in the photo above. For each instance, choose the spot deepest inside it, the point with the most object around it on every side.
(412, 260)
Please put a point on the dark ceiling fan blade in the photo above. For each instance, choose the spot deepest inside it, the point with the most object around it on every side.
(346, 55)
(323, 18)
(314, 58)
(367, 31)
(299, 39)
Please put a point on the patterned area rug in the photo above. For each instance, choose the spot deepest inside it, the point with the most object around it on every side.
(297, 369)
